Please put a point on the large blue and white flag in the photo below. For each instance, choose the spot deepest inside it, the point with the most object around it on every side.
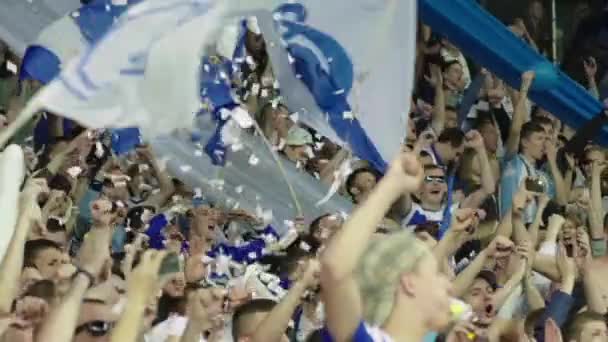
(144, 72)
(69, 36)
(356, 58)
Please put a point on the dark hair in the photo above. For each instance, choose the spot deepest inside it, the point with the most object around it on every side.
(134, 217)
(452, 136)
(482, 121)
(34, 247)
(447, 64)
(542, 120)
(316, 336)
(60, 182)
(54, 226)
(315, 225)
(252, 307)
(531, 320)
(44, 289)
(530, 128)
(350, 181)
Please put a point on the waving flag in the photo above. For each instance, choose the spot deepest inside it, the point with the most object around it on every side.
(356, 60)
(67, 37)
(143, 72)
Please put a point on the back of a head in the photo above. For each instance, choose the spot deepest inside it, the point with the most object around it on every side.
(452, 136)
(384, 261)
(578, 323)
(244, 317)
(34, 247)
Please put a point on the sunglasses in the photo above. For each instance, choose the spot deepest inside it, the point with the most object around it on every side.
(95, 328)
(436, 179)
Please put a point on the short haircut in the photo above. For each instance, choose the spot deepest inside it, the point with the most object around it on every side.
(447, 64)
(481, 122)
(44, 289)
(543, 120)
(34, 247)
(431, 167)
(61, 183)
(315, 225)
(54, 226)
(452, 136)
(350, 181)
(530, 128)
(242, 313)
(573, 332)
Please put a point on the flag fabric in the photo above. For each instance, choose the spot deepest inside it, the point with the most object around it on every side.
(67, 37)
(142, 73)
(356, 60)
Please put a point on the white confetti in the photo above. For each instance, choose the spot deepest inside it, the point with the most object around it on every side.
(276, 84)
(249, 60)
(75, 14)
(348, 115)
(339, 91)
(255, 89)
(299, 165)
(108, 8)
(238, 189)
(253, 160)
(329, 60)
(277, 16)
(223, 75)
(295, 117)
(289, 223)
(242, 117)
(198, 153)
(319, 146)
(236, 147)
(198, 193)
(264, 93)
(291, 59)
(185, 168)
(310, 152)
(206, 67)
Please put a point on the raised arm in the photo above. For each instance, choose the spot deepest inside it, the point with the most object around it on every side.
(488, 183)
(590, 72)
(143, 285)
(597, 211)
(166, 185)
(340, 292)
(12, 263)
(519, 116)
(439, 117)
(561, 195)
(95, 252)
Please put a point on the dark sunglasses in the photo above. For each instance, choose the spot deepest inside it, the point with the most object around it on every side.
(95, 328)
(437, 179)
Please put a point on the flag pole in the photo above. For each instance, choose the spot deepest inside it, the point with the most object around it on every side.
(280, 166)
(26, 114)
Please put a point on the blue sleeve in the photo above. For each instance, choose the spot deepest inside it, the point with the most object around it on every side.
(509, 183)
(360, 335)
(558, 308)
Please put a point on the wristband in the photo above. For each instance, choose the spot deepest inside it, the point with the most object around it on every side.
(87, 274)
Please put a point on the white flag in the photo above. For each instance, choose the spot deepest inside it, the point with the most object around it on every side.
(144, 72)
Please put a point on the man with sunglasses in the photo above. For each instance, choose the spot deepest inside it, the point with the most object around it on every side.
(433, 204)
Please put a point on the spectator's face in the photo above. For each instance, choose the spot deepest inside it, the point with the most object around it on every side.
(451, 119)
(453, 74)
(591, 156)
(535, 145)
(595, 331)
(48, 262)
(457, 153)
(489, 133)
(481, 299)
(435, 300)
(434, 187)
(298, 154)
(364, 183)
(328, 226)
(176, 285)
(95, 318)
(536, 9)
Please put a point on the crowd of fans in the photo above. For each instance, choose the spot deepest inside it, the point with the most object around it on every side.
(490, 225)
